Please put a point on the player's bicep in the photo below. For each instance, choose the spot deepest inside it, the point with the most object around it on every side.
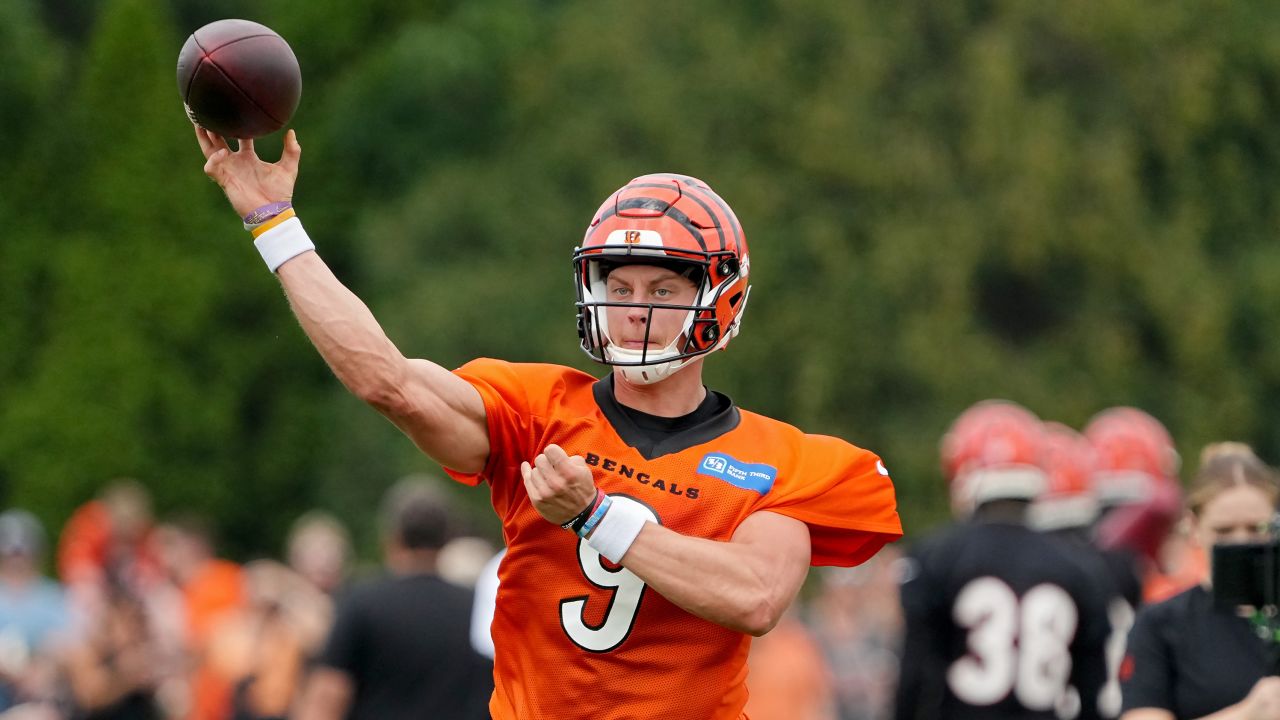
(444, 415)
(780, 552)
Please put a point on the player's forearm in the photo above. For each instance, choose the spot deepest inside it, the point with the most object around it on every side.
(742, 587)
(344, 330)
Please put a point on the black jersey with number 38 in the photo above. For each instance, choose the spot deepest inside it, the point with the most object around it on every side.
(1001, 622)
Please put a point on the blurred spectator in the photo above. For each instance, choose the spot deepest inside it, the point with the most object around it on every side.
(211, 589)
(486, 598)
(112, 670)
(266, 646)
(105, 541)
(463, 559)
(319, 549)
(788, 677)
(1194, 655)
(857, 620)
(33, 613)
(399, 647)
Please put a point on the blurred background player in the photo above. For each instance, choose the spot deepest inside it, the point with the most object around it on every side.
(400, 646)
(1140, 500)
(1193, 656)
(1068, 510)
(1001, 621)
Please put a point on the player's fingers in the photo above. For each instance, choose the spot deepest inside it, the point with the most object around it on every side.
(534, 483)
(245, 145)
(211, 166)
(219, 142)
(526, 472)
(556, 454)
(292, 153)
(550, 471)
(206, 146)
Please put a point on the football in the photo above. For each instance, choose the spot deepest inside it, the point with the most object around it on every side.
(239, 79)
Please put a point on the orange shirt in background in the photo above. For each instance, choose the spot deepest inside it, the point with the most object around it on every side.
(215, 590)
(789, 677)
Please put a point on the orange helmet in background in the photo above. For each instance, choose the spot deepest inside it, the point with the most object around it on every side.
(992, 452)
(1135, 455)
(1068, 461)
(674, 221)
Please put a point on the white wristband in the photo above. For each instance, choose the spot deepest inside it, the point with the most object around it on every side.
(283, 243)
(619, 528)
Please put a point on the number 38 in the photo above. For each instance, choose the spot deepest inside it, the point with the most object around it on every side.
(1018, 645)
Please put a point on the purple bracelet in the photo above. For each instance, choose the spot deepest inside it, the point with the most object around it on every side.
(266, 212)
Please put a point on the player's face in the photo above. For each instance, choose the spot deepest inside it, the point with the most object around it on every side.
(1238, 514)
(647, 285)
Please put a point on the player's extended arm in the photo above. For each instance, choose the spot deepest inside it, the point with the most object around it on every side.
(443, 414)
(744, 584)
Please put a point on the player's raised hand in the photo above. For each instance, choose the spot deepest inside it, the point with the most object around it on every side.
(248, 181)
(559, 486)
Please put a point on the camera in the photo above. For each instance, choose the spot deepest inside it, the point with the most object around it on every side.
(1246, 574)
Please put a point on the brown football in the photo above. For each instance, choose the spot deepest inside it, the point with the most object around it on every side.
(239, 79)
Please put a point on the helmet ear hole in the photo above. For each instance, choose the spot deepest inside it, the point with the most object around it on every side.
(727, 267)
(711, 333)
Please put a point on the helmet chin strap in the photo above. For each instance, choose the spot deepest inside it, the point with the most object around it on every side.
(643, 374)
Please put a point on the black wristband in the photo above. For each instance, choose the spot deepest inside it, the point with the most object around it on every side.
(581, 518)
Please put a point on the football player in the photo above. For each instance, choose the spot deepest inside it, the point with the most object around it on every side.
(1001, 620)
(1136, 480)
(652, 526)
(1067, 511)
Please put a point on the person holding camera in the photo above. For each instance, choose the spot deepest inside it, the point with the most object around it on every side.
(1199, 654)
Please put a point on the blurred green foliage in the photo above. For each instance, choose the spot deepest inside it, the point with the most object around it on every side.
(1069, 205)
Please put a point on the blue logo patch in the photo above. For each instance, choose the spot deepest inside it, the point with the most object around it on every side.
(748, 476)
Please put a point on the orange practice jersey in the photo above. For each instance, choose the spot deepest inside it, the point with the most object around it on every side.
(576, 636)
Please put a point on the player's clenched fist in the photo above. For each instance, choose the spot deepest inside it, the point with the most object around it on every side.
(559, 486)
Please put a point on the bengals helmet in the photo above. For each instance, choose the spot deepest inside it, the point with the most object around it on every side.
(673, 221)
(1068, 462)
(993, 452)
(1135, 455)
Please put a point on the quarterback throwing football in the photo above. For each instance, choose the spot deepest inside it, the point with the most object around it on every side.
(652, 526)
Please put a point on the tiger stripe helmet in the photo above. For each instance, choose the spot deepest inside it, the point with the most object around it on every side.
(1135, 455)
(1069, 500)
(674, 221)
(993, 452)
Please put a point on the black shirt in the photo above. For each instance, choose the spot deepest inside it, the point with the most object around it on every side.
(1191, 657)
(405, 642)
(1001, 622)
